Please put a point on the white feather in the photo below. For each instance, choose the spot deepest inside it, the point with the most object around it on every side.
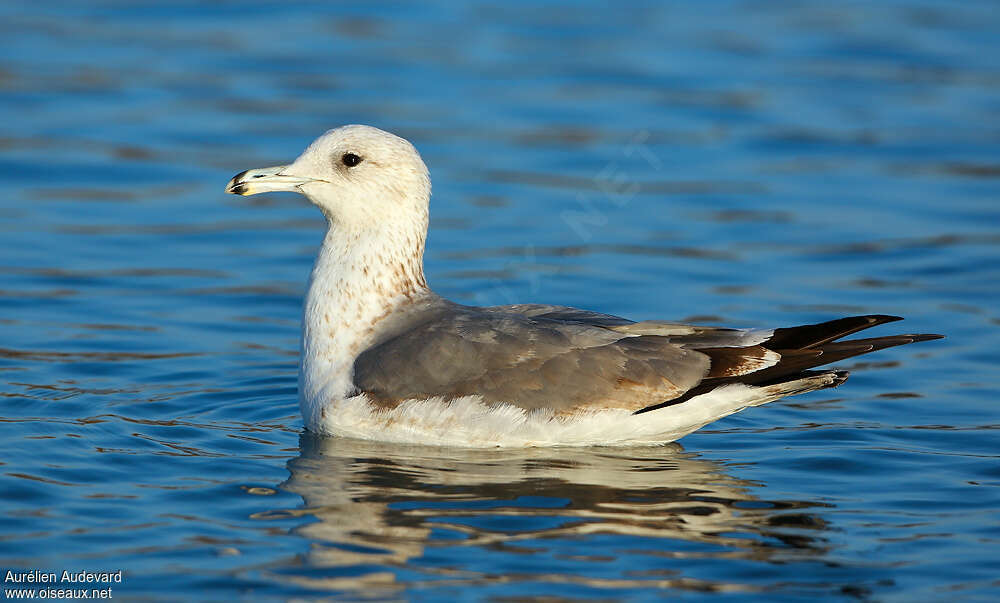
(468, 422)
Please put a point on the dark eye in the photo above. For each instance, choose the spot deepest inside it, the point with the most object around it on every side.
(350, 159)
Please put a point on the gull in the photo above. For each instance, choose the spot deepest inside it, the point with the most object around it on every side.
(382, 357)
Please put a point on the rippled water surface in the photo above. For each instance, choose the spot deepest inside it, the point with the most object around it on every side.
(752, 164)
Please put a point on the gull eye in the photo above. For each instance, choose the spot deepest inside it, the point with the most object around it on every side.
(350, 159)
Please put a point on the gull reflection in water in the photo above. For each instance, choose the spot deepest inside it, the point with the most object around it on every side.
(379, 507)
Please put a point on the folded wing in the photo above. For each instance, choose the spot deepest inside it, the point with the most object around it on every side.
(564, 359)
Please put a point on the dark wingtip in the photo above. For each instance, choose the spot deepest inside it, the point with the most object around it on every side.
(814, 335)
(881, 319)
(924, 336)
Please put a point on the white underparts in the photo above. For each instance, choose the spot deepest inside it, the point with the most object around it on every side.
(468, 422)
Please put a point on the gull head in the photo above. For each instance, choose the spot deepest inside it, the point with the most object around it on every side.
(357, 175)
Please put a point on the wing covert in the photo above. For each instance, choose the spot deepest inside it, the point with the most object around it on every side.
(528, 361)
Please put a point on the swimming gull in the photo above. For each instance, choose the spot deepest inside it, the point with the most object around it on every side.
(384, 357)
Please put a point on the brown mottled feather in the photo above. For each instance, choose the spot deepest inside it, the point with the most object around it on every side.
(733, 362)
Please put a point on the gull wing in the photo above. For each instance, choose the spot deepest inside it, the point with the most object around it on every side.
(531, 360)
(565, 359)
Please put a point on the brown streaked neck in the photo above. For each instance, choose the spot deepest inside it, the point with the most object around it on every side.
(359, 278)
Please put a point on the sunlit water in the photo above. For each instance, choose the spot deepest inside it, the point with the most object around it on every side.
(752, 164)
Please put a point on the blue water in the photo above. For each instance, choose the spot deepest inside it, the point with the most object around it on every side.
(750, 164)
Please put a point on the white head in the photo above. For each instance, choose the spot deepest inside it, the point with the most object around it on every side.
(359, 176)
